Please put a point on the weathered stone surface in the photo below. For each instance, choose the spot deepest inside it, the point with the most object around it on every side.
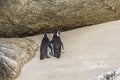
(14, 54)
(111, 75)
(27, 17)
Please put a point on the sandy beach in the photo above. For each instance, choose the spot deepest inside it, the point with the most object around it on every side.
(89, 51)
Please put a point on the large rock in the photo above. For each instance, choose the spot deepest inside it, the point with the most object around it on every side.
(27, 17)
(14, 53)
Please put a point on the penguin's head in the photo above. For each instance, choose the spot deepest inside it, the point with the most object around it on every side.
(58, 33)
(45, 34)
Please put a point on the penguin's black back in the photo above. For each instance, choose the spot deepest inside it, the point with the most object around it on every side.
(56, 41)
(44, 46)
(45, 42)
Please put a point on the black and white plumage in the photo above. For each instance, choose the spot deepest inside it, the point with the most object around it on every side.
(45, 44)
(57, 44)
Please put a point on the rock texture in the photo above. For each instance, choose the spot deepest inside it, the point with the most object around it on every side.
(26, 17)
(14, 54)
(111, 75)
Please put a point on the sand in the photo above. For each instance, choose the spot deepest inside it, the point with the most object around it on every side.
(89, 51)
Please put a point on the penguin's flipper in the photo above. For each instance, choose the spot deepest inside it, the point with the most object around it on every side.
(62, 45)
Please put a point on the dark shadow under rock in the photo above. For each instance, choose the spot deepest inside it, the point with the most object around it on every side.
(14, 54)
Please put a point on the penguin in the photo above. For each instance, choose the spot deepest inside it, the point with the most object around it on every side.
(45, 44)
(57, 44)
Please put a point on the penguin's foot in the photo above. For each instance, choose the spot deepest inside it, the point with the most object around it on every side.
(48, 56)
(51, 54)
